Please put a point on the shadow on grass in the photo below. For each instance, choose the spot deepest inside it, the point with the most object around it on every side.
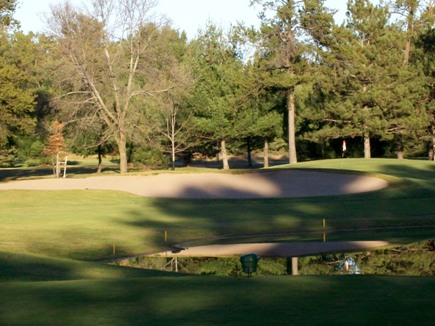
(395, 208)
(221, 301)
(423, 171)
(32, 268)
(285, 221)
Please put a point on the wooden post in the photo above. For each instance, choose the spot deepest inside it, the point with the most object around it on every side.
(295, 268)
(324, 230)
(114, 250)
(166, 236)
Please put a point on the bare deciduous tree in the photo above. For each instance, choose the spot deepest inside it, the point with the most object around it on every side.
(110, 60)
(177, 131)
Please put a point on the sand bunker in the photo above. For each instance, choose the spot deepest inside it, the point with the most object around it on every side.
(274, 184)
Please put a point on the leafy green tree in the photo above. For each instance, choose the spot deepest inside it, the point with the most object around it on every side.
(416, 18)
(47, 65)
(173, 112)
(7, 9)
(426, 57)
(362, 71)
(177, 130)
(283, 58)
(22, 62)
(363, 85)
(217, 70)
(315, 98)
(408, 123)
(258, 120)
(177, 127)
(17, 92)
(90, 139)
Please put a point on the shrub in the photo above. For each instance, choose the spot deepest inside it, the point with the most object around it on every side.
(148, 157)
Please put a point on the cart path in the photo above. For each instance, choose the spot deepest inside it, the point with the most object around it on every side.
(273, 184)
(294, 249)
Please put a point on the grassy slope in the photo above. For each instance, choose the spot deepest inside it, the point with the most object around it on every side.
(85, 224)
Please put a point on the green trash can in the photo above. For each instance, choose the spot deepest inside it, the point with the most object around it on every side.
(249, 263)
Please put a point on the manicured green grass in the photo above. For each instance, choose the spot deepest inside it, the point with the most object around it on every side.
(89, 224)
(44, 235)
(76, 224)
(419, 169)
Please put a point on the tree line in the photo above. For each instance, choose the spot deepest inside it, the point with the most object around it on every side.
(122, 81)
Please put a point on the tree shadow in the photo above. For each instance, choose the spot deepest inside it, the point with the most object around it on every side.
(11, 174)
(211, 216)
(32, 268)
(235, 163)
(206, 300)
(421, 171)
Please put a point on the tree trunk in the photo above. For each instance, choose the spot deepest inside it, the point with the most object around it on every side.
(123, 168)
(367, 149)
(248, 145)
(123, 162)
(400, 155)
(173, 157)
(173, 161)
(65, 164)
(407, 52)
(57, 165)
(224, 156)
(266, 153)
(291, 127)
(173, 120)
(322, 148)
(409, 31)
(399, 147)
(406, 56)
(432, 149)
(122, 148)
